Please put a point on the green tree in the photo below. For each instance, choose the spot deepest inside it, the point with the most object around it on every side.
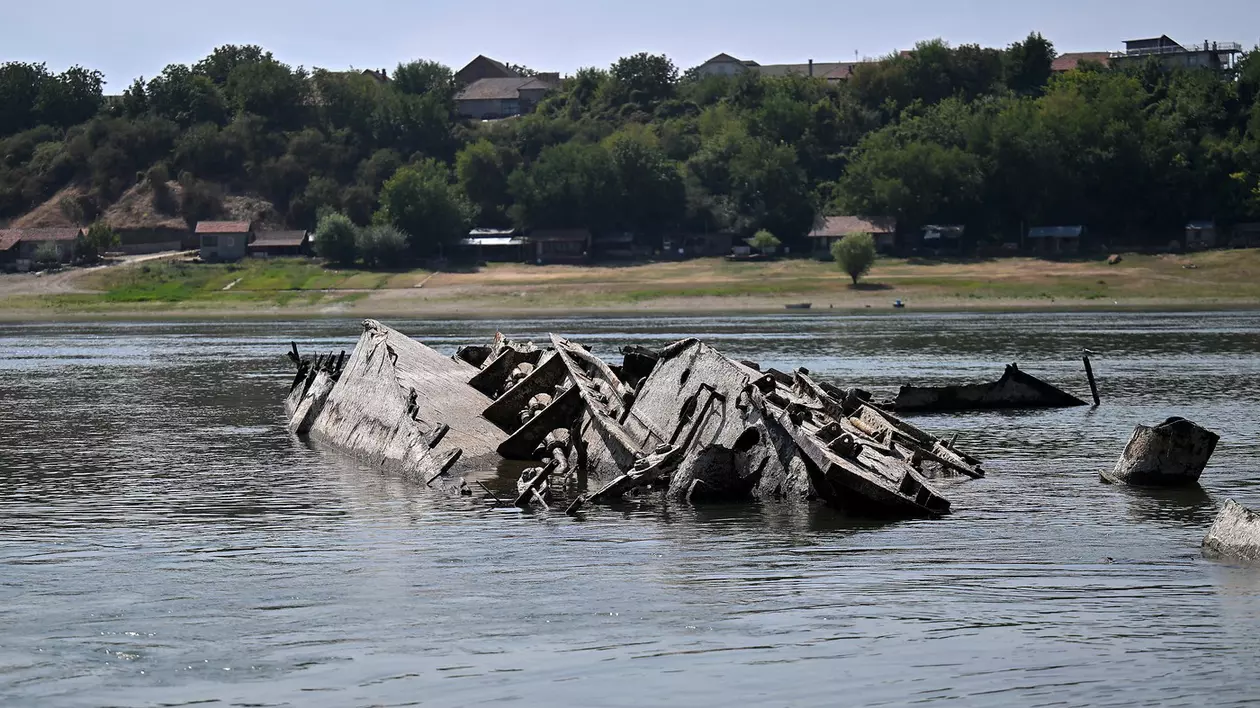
(186, 98)
(644, 79)
(382, 246)
(421, 201)
(1028, 64)
(218, 67)
(98, 239)
(569, 185)
(425, 77)
(483, 170)
(855, 254)
(336, 239)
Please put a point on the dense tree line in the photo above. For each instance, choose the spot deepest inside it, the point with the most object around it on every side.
(970, 135)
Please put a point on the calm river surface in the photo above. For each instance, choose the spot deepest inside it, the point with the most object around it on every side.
(164, 541)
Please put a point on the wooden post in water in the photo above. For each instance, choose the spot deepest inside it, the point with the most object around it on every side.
(1089, 374)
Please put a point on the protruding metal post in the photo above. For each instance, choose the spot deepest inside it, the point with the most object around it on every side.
(1089, 373)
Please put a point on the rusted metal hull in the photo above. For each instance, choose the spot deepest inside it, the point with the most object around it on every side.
(1015, 389)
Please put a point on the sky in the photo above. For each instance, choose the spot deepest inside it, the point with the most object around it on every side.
(131, 38)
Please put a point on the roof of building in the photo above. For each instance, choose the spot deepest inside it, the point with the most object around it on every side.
(280, 239)
(1070, 61)
(560, 235)
(223, 227)
(835, 226)
(1056, 231)
(724, 58)
(492, 241)
(38, 235)
(501, 89)
(1201, 225)
(493, 62)
(492, 232)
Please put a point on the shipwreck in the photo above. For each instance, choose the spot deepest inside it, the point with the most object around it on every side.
(685, 422)
(1014, 390)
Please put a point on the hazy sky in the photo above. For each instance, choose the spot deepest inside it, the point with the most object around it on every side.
(130, 38)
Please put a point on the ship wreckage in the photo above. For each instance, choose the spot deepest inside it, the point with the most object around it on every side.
(684, 421)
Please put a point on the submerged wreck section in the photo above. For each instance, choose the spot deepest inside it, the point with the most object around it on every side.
(1016, 389)
(685, 422)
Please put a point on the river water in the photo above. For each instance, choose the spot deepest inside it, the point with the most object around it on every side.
(164, 541)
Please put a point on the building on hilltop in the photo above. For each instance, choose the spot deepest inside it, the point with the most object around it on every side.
(224, 241)
(1172, 55)
(483, 67)
(504, 97)
(727, 65)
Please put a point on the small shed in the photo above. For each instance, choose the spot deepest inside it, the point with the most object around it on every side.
(1200, 235)
(883, 229)
(943, 238)
(1056, 240)
(560, 245)
(613, 245)
(494, 246)
(268, 244)
(224, 240)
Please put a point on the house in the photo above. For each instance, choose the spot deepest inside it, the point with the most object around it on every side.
(280, 243)
(503, 97)
(1173, 55)
(381, 76)
(494, 246)
(1056, 240)
(727, 65)
(21, 244)
(483, 67)
(559, 245)
(224, 240)
(700, 245)
(1073, 60)
(883, 229)
(1200, 235)
(943, 239)
(613, 245)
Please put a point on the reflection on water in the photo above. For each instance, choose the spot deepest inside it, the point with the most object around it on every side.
(163, 541)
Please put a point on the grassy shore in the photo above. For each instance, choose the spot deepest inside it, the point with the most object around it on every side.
(300, 287)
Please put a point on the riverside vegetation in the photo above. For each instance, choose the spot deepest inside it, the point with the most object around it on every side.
(971, 135)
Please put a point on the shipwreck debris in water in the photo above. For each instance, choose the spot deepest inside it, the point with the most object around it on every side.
(1015, 389)
(1171, 454)
(1234, 534)
(685, 422)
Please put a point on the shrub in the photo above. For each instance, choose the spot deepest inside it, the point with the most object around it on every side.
(855, 254)
(335, 238)
(764, 241)
(98, 239)
(382, 245)
(47, 255)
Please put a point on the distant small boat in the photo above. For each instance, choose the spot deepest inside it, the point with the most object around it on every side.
(799, 306)
(899, 304)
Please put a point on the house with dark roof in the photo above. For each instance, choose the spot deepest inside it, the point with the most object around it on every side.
(224, 240)
(1174, 55)
(280, 243)
(833, 228)
(503, 97)
(483, 67)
